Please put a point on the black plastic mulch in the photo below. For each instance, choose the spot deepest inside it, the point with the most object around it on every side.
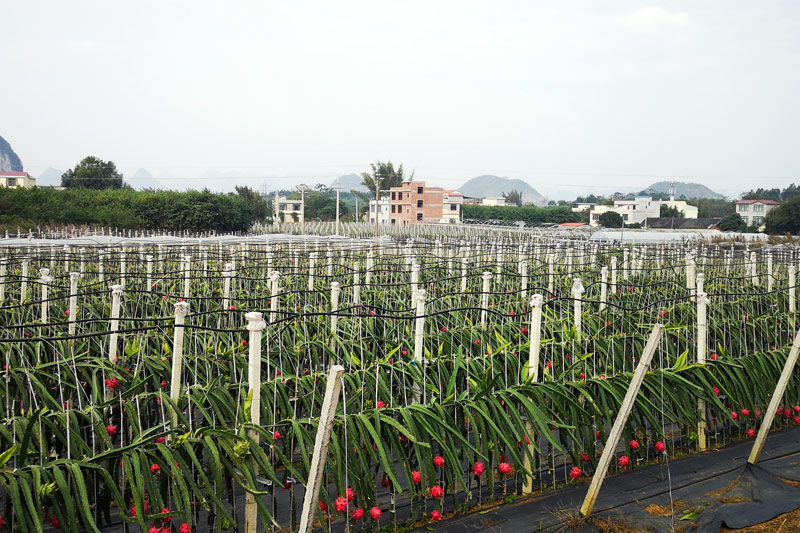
(717, 488)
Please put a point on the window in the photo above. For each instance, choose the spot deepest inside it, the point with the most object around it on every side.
(744, 207)
(419, 203)
(11, 182)
(453, 207)
(746, 219)
(297, 207)
(758, 208)
(595, 217)
(393, 207)
(757, 220)
(408, 194)
(393, 196)
(393, 221)
(419, 190)
(625, 216)
(419, 216)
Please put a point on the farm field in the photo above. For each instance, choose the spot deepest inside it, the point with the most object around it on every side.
(152, 384)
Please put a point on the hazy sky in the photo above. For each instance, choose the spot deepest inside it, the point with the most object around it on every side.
(565, 95)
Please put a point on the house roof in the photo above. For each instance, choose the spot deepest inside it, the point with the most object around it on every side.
(766, 202)
(5, 174)
(681, 223)
(572, 224)
(454, 192)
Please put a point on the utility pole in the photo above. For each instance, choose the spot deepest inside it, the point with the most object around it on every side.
(337, 205)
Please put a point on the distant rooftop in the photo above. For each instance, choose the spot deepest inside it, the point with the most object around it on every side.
(5, 174)
(767, 202)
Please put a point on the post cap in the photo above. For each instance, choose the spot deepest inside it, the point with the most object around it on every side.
(537, 300)
(255, 321)
(181, 308)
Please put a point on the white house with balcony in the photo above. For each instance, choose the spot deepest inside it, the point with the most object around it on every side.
(383, 211)
(451, 206)
(632, 211)
(754, 211)
(289, 211)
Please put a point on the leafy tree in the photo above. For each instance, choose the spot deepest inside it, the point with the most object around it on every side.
(383, 177)
(732, 222)
(670, 212)
(713, 207)
(610, 219)
(785, 218)
(92, 173)
(513, 197)
(262, 208)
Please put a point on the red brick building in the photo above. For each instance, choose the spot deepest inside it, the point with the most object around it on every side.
(413, 202)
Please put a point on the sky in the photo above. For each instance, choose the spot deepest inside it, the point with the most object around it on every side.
(572, 97)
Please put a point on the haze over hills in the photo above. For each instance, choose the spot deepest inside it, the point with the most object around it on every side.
(349, 182)
(51, 177)
(143, 179)
(9, 160)
(688, 190)
(495, 186)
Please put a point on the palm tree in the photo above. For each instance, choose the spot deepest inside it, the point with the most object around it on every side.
(383, 177)
(513, 197)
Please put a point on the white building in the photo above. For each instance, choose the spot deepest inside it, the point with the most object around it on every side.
(754, 211)
(286, 210)
(383, 211)
(12, 180)
(451, 207)
(494, 201)
(632, 211)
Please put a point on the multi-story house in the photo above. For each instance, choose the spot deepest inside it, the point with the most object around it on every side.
(754, 211)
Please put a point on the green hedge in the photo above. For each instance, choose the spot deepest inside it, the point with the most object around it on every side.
(125, 209)
(526, 213)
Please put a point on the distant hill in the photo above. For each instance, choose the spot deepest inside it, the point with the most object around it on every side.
(143, 179)
(494, 186)
(9, 160)
(51, 177)
(689, 190)
(350, 181)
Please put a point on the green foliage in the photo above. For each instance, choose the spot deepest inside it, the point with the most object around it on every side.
(128, 209)
(610, 219)
(785, 218)
(526, 213)
(732, 222)
(92, 173)
(713, 207)
(670, 212)
(778, 195)
(383, 177)
(513, 197)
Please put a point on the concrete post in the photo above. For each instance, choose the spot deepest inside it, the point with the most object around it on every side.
(44, 279)
(255, 325)
(603, 287)
(487, 280)
(577, 294)
(334, 306)
(181, 310)
(116, 293)
(73, 301)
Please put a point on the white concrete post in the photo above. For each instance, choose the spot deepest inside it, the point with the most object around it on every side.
(537, 301)
(255, 325)
(205, 261)
(414, 282)
(116, 293)
(227, 274)
(464, 261)
(603, 287)
(792, 290)
(577, 294)
(312, 262)
(613, 276)
(334, 306)
(44, 279)
(123, 266)
(73, 301)
(149, 259)
(702, 334)
(487, 280)
(370, 265)
(82, 255)
(317, 468)
(181, 310)
(23, 294)
(275, 289)
(356, 288)
(66, 258)
(419, 330)
(770, 280)
(754, 268)
(3, 272)
(330, 263)
(619, 424)
(550, 276)
(625, 264)
(161, 257)
(523, 272)
(101, 266)
(187, 279)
